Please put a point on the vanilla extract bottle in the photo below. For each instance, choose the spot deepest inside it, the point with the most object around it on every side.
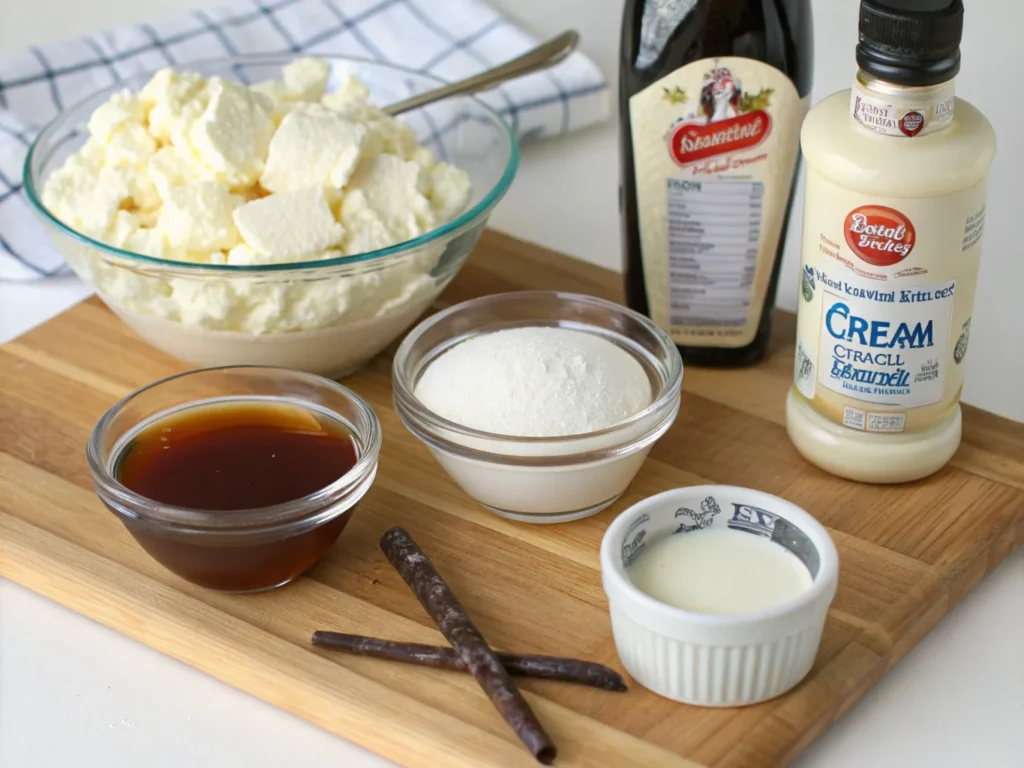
(712, 94)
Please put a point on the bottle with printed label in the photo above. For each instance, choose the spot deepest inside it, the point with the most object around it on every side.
(897, 171)
(712, 93)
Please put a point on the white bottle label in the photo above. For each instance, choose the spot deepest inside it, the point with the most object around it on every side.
(887, 355)
(714, 146)
(903, 112)
(887, 292)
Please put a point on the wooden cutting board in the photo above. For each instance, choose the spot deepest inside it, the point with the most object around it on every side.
(908, 554)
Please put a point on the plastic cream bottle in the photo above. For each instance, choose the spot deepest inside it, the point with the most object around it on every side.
(897, 173)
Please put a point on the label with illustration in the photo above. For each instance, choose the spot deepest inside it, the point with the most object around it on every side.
(887, 290)
(714, 145)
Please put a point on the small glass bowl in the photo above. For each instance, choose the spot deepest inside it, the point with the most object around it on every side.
(249, 550)
(541, 479)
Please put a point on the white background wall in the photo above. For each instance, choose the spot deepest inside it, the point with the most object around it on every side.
(566, 193)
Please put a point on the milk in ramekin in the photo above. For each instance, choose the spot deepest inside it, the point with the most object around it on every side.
(717, 660)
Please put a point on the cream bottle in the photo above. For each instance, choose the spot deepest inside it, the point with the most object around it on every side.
(897, 172)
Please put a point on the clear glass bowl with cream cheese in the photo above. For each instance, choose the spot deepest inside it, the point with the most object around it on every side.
(326, 316)
(540, 479)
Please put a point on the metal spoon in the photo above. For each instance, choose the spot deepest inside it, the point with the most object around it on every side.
(543, 56)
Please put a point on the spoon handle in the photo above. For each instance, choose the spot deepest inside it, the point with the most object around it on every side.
(543, 56)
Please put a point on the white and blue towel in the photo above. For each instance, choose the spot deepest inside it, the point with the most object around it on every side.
(448, 38)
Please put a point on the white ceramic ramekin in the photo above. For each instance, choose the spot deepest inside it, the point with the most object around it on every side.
(717, 660)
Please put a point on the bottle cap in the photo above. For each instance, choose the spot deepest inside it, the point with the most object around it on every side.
(911, 42)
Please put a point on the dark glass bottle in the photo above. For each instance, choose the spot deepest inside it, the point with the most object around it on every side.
(709, 147)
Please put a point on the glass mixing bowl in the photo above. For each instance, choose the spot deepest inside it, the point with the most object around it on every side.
(327, 317)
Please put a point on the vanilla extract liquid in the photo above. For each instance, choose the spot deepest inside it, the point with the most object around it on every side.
(230, 459)
(711, 97)
(236, 456)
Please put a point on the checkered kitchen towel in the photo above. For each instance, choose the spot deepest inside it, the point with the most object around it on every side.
(449, 38)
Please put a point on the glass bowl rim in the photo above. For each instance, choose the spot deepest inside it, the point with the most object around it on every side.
(421, 416)
(306, 509)
(461, 221)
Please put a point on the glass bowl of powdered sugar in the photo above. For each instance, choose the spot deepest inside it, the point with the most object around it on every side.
(541, 405)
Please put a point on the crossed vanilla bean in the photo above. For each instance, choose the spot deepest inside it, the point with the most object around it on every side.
(440, 602)
(520, 665)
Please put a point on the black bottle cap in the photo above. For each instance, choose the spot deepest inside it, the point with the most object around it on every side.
(911, 42)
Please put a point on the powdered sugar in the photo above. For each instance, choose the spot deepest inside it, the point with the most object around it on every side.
(535, 382)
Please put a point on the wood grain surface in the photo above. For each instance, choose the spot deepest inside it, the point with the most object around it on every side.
(908, 554)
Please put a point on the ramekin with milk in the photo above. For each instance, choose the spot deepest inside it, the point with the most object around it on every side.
(740, 623)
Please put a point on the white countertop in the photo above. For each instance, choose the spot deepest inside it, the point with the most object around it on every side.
(72, 691)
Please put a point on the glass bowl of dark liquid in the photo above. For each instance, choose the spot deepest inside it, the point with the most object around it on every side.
(238, 479)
